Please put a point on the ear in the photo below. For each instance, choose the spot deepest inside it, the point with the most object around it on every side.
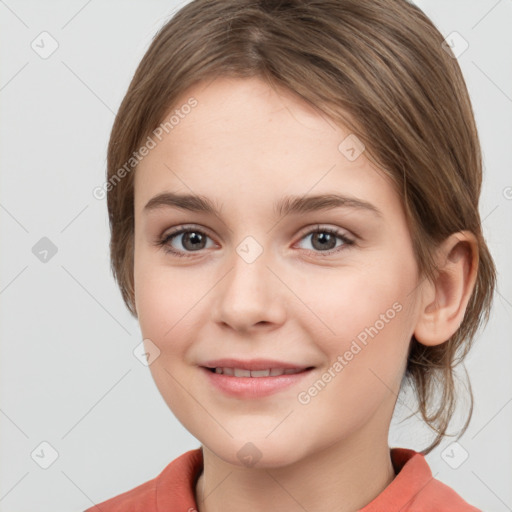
(444, 300)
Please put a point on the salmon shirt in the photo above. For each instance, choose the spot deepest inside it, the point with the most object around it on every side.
(413, 489)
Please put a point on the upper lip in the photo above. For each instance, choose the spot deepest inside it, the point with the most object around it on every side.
(253, 364)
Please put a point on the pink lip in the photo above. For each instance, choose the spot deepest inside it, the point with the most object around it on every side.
(253, 387)
(252, 364)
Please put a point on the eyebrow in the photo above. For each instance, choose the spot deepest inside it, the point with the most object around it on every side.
(286, 206)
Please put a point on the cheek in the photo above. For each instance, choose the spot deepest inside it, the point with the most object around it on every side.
(165, 300)
(368, 318)
(161, 300)
(171, 310)
(365, 359)
(349, 302)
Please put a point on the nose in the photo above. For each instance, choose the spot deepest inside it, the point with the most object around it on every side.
(250, 296)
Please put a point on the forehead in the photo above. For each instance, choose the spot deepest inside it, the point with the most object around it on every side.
(224, 95)
(248, 141)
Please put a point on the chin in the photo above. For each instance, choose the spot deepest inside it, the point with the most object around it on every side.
(257, 452)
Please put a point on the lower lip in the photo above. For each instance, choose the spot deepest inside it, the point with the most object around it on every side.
(253, 387)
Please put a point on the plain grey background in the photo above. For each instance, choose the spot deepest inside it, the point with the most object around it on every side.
(69, 378)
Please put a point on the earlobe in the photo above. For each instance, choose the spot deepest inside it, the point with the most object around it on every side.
(444, 300)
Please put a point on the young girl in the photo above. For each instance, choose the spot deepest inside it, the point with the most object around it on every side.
(293, 193)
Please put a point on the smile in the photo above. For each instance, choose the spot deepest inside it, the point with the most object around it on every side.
(237, 382)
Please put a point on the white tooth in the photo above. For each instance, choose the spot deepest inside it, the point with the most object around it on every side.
(260, 373)
(240, 372)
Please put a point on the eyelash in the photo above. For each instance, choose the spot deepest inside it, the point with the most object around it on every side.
(164, 242)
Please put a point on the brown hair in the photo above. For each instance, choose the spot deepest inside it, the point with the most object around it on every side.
(377, 67)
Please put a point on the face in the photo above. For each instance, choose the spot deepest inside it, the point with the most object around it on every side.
(323, 287)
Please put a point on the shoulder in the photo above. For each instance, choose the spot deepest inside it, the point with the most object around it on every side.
(138, 499)
(415, 489)
(439, 497)
(176, 479)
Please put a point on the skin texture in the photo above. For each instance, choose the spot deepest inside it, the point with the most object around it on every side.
(245, 146)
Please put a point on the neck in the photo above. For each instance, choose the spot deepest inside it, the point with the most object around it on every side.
(343, 477)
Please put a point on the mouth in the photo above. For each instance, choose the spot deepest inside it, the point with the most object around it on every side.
(268, 372)
(254, 380)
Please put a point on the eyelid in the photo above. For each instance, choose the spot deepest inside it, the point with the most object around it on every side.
(325, 227)
(185, 227)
